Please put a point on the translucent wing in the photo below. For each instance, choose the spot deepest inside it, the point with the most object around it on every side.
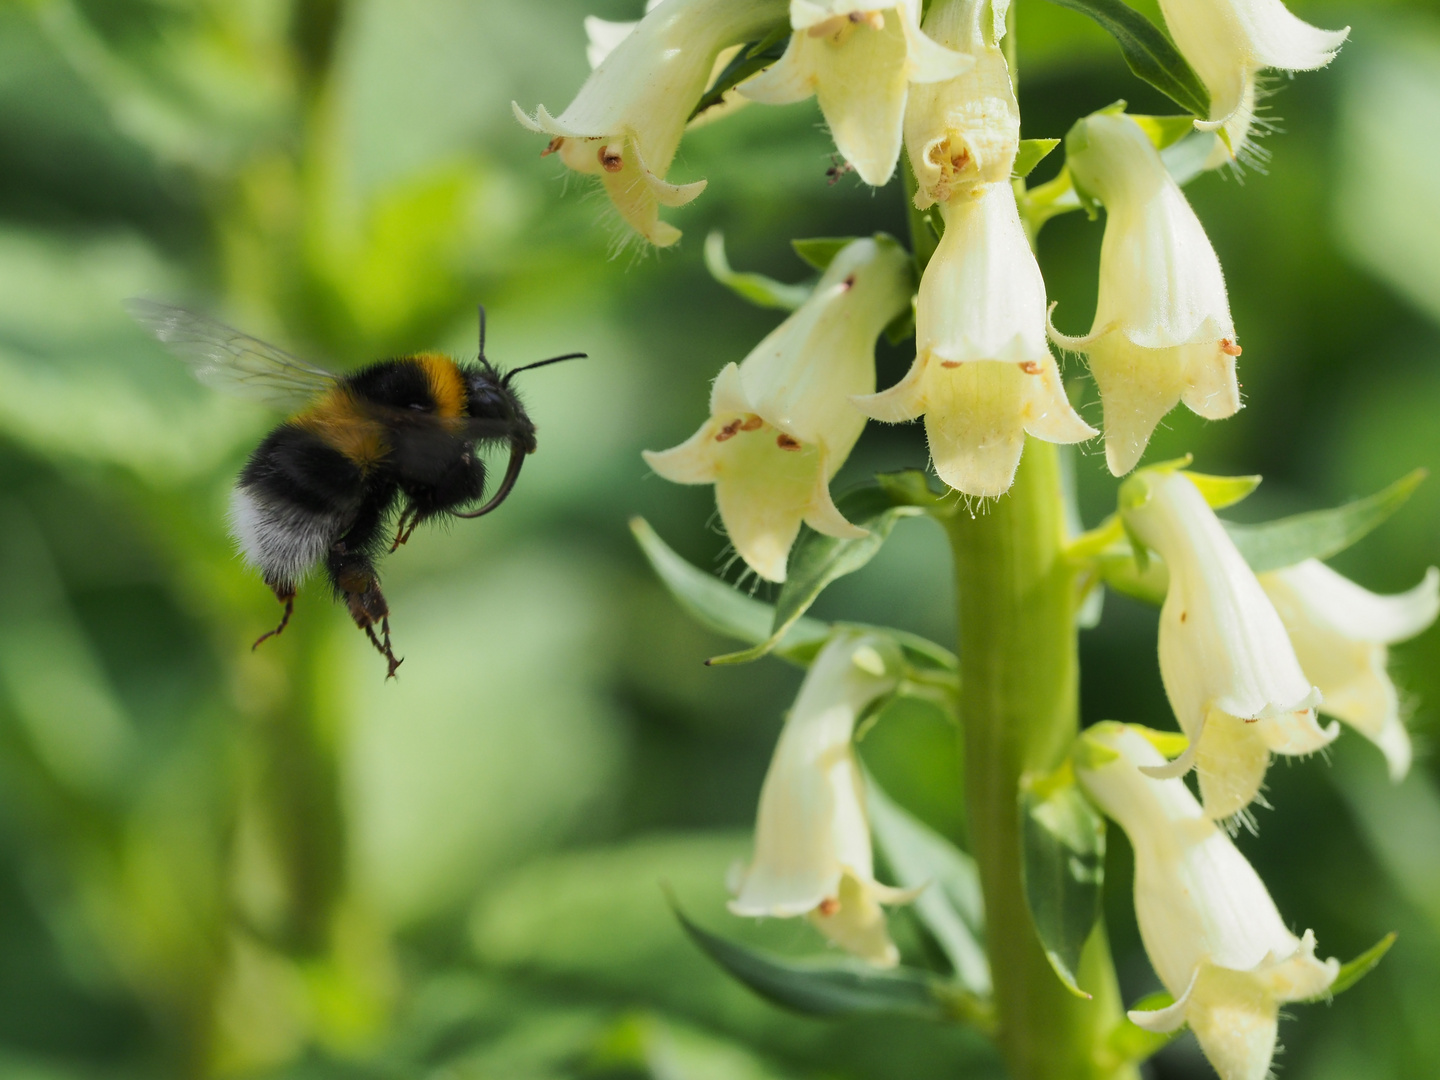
(228, 360)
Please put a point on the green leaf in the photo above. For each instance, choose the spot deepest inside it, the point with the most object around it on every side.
(1187, 158)
(1063, 867)
(820, 251)
(1320, 533)
(752, 58)
(1031, 153)
(1165, 131)
(1148, 52)
(1358, 968)
(757, 288)
(1223, 491)
(951, 905)
(816, 560)
(837, 987)
(1130, 1043)
(715, 604)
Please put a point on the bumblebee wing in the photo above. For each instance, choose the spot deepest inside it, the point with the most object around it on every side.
(223, 357)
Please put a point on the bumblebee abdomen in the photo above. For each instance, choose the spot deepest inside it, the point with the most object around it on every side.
(295, 496)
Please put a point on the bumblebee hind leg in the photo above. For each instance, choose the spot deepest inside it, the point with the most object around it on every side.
(286, 595)
(356, 581)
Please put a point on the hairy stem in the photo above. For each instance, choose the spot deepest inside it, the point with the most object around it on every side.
(1019, 712)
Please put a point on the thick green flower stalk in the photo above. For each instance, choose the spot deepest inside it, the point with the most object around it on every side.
(1257, 639)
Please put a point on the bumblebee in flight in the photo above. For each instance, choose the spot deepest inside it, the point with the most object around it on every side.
(321, 487)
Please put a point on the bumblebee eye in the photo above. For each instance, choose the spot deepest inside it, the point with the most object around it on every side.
(419, 406)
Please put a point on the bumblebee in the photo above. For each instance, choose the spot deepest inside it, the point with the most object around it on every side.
(322, 486)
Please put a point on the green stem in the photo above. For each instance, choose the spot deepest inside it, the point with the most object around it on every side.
(1019, 709)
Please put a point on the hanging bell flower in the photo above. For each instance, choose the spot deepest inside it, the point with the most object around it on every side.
(1340, 632)
(782, 422)
(625, 124)
(1207, 921)
(859, 58)
(983, 374)
(1229, 42)
(963, 132)
(812, 834)
(1229, 669)
(1162, 332)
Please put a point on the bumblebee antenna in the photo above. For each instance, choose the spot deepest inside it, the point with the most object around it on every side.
(541, 363)
(482, 332)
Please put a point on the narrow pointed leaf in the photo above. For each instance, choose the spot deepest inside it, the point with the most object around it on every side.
(1131, 1043)
(1064, 867)
(816, 560)
(1148, 52)
(752, 58)
(1358, 968)
(1030, 154)
(951, 905)
(723, 609)
(760, 290)
(1320, 533)
(820, 251)
(831, 988)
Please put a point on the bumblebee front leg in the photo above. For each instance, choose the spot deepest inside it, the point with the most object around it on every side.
(355, 579)
(285, 593)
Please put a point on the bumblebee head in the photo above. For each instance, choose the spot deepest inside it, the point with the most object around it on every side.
(489, 397)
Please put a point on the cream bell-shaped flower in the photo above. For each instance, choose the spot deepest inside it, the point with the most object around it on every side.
(625, 124)
(1208, 923)
(983, 374)
(782, 423)
(965, 131)
(1340, 632)
(1229, 42)
(1229, 669)
(812, 835)
(1162, 332)
(858, 57)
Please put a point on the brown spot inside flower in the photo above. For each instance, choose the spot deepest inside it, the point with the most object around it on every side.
(555, 144)
(1229, 348)
(1184, 615)
(610, 159)
(785, 442)
(728, 431)
(751, 423)
(848, 283)
(949, 363)
(1030, 367)
(828, 907)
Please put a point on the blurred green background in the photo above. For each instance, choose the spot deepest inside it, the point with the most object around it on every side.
(214, 862)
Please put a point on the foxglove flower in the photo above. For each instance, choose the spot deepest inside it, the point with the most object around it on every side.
(812, 835)
(782, 423)
(1162, 332)
(1209, 926)
(858, 57)
(625, 123)
(1340, 632)
(965, 131)
(1229, 42)
(983, 374)
(1229, 669)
